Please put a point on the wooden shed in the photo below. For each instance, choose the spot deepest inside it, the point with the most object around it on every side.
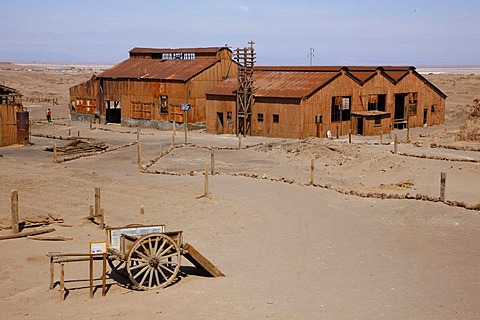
(14, 124)
(298, 102)
(152, 84)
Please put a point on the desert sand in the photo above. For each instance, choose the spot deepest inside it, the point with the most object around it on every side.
(289, 250)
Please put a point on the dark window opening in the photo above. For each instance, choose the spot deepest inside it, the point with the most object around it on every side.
(276, 118)
(340, 109)
(434, 107)
(372, 106)
(318, 118)
(260, 117)
(381, 102)
(378, 121)
(163, 104)
(229, 115)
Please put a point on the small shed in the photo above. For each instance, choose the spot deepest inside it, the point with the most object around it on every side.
(14, 123)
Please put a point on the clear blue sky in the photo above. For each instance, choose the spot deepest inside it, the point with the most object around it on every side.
(342, 32)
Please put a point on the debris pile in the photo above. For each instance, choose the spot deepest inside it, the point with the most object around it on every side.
(81, 145)
(471, 130)
(33, 221)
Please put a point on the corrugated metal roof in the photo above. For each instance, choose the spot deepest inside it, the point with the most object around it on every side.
(5, 89)
(283, 84)
(179, 50)
(155, 69)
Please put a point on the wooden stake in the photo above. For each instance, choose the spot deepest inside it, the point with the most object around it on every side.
(138, 134)
(104, 275)
(55, 153)
(142, 209)
(206, 181)
(62, 281)
(212, 161)
(185, 124)
(102, 218)
(381, 138)
(312, 171)
(69, 132)
(97, 201)
(51, 273)
(91, 276)
(90, 212)
(349, 135)
(239, 142)
(395, 145)
(26, 233)
(443, 181)
(78, 133)
(91, 124)
(139, 155)
(174, 131)
(338, 132)
(15, 221)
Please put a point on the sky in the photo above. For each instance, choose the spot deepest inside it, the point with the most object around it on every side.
(340, 32)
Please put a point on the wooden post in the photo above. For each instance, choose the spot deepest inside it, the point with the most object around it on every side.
(102, 218)
(174, 131)
(51, 273)
(349, 135)
(104, 275)
(62, 281)
(78, 133)
(381, 138)
(395, 145)
(206, 181)
(69, 132)
(139, 155)
(185, 123)
(239, 142)
(443, 181)
(91, 124)
(312, 171)
(55, 152)
(390, 132)
(15, 221)
(138, 134)
(338, 132)
(91, 276)
(90, 211)
(212, 161)
(97, 201)
(142, 209)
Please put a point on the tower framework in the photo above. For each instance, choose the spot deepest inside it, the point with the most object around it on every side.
(245, 58)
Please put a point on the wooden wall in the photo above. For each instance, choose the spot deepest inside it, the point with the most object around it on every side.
(8, 124)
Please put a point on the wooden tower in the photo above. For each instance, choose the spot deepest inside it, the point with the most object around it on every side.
(246, 59)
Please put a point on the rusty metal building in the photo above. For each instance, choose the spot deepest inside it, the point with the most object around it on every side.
(299, 102)
(14, 120)
(150, 86)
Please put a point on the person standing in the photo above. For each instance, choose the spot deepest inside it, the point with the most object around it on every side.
(49, 115)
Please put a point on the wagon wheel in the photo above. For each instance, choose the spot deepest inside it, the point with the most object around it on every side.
(153, 261)
(118, 266)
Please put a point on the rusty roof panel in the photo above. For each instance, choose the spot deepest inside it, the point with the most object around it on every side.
(155, 69)
(280, 84)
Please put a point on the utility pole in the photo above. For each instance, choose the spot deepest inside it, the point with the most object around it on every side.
(311, 55)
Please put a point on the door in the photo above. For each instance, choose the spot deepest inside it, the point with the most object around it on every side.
(425, 115)
(219, 122)
(400, 106)
(360, 126)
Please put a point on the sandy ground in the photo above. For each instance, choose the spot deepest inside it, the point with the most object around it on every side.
(289, 250)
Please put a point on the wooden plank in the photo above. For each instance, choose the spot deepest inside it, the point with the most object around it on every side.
(50, 238)
(26, 233)
(200, 261)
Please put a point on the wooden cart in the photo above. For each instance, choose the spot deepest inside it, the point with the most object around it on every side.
(149, 256)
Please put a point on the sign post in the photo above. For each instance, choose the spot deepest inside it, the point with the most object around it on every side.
(185, 108)
(97, 248)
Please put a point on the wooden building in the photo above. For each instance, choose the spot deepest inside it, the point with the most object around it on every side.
(299, 102)
(14, 124)
(150, 86)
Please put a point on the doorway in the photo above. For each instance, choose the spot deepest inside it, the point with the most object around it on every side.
(425, 115)
(400, 106)
(219, 122)
(360, 126)
(113, 111)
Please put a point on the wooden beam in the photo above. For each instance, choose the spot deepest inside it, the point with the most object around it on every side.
(26, 233)
(15, 222)
(201, 262)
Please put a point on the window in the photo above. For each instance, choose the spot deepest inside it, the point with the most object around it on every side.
(318, 118)
(434, 107)
(381, 102)
(276, 118)
(163, 104)
(142, 110)
(229, 115)
(260, 117)
(378, 121)
(412, 103)
(340, 109)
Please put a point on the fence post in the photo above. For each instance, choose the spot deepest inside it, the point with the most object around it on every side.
(15, 221)
(312, 171)
(443, 181)
(206, 181)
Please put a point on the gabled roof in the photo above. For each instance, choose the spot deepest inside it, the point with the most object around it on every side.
(303, 81)
(155, 69)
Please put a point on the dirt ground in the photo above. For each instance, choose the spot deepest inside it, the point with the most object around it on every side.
(289, 250)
